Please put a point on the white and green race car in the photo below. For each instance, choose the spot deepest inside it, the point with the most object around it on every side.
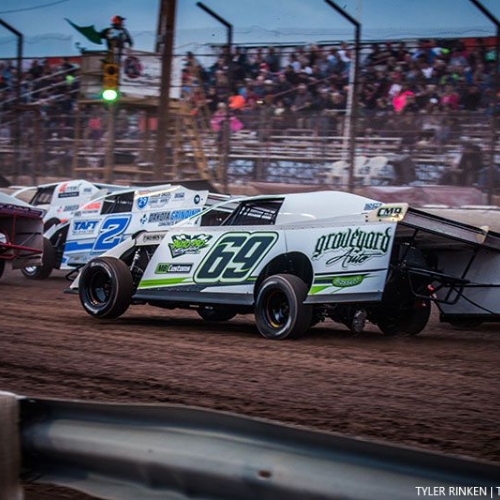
(294, 260)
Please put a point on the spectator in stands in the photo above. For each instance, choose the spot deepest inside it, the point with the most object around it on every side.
(240, 64)
(212, 98)
(283, 86)
(95, 130)
(344, 54)
(471, 99)
(255, 59)
(36, 70)
(302, 105)
(272, 60)
(325, 116)
(450, 99)
(380, 116)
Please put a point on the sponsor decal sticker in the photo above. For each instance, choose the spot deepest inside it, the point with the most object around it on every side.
(352, 246)
(178, 215)
(389, 211)
(84, 226)
(159, 200)
(69, 194)
(347, 281)
(158, 217)
(70, 208)
(372, 206)
(142, 202)
(152, 238)
(92, 206)
(168, 267)
(183, 244)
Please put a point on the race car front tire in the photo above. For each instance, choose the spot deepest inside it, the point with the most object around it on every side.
(280, 312)
(44, 270)
(2, 267)
(106, 287)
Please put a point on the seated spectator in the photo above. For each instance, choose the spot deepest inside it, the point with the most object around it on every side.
(471, 99)
(302, 105)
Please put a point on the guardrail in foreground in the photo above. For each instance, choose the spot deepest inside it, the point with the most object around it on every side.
(170, 451)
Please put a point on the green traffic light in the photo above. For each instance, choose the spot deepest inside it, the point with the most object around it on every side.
(110, 95)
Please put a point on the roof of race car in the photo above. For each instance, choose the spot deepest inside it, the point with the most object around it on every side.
(72, 182)
(309, 206)
(6, 199)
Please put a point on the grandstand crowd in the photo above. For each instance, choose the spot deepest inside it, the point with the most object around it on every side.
(415, 91)
(421, 91)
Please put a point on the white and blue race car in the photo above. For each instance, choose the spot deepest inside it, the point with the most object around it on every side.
(60, 200)
(296, 259)
(102, 223)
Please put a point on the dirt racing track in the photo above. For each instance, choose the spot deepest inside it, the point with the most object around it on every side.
(438, 391)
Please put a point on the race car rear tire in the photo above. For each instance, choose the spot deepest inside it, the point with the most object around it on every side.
(44, 270)
(406, 321)
(216, 313)
(2, 267)
(106, 287)
(280, 312)
(465, 324)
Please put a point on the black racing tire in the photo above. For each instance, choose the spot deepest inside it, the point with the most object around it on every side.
(2, 267)
(106, 287)
(44, 270)
(216, 313)
(280, 312)
(465, 324)
(406, 321)
(49, 223)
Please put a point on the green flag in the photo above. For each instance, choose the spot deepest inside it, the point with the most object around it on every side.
(89, 32)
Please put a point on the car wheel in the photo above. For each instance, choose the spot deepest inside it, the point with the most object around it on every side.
(465, 324)
(106, 287)
(44, 270)
(280, 312)
(405, 321)
(2, 267)
(216, 313)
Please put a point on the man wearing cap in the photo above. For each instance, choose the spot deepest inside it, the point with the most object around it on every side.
(117, 36)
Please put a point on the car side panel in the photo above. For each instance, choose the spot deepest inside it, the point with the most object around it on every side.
(90, 234)
(347, 262)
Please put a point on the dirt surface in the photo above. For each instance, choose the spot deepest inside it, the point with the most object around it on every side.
(438, 391)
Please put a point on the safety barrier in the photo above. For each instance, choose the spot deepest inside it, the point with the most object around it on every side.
(170, 451)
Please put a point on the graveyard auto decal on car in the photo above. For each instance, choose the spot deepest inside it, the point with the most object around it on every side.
(210, 261)
(347, 251)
